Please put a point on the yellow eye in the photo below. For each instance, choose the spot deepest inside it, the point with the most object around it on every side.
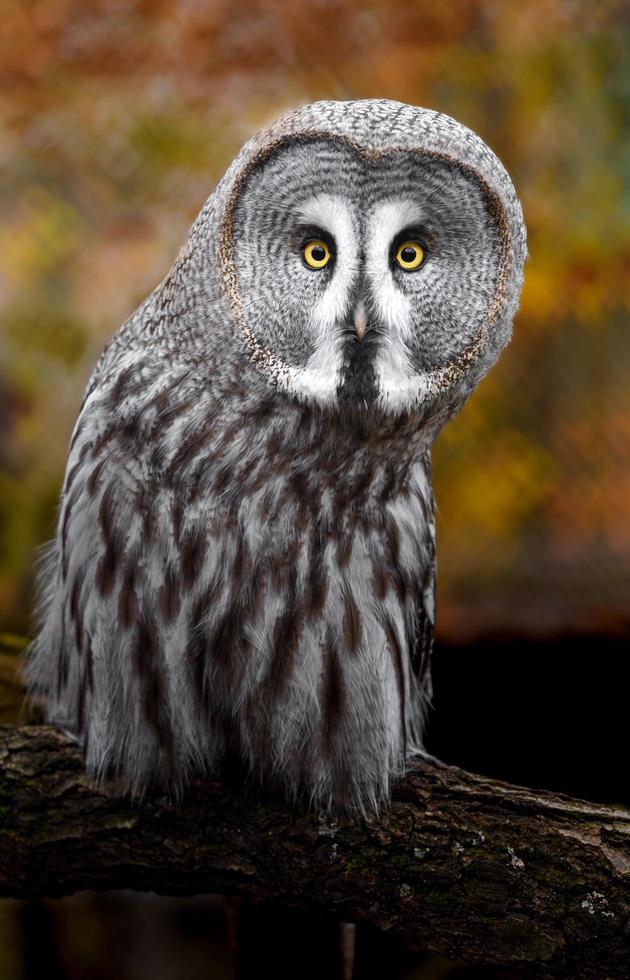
(410, 255)
(316, 254)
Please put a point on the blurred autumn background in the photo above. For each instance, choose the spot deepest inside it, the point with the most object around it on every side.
(118, 118)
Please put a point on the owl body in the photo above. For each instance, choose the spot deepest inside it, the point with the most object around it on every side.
(244, 563)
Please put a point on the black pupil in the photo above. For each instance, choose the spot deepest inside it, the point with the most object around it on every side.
(408, 254)
(318, 253)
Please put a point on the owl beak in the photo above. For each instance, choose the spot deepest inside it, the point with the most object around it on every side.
(360, 321)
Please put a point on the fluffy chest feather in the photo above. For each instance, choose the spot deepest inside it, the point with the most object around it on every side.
(239, 576)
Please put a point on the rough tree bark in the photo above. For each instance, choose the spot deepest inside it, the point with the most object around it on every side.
(465, 866)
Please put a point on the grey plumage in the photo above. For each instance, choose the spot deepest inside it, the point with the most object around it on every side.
(244, 563)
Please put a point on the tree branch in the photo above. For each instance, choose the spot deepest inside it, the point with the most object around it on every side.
(461, 865)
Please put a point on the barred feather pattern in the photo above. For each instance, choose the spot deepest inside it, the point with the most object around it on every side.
(274, 624)
(243, 574)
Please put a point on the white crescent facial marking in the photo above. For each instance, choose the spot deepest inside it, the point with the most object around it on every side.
(399, 385)
(319, 377)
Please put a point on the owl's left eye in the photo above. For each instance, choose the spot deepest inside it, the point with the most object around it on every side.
(316, 253)
(410, 255)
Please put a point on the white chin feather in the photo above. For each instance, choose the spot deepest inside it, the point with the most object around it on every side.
(317, 381)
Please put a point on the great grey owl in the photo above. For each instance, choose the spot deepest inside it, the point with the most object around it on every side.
(244, 562)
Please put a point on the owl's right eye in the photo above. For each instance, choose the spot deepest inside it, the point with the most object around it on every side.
(316, 253)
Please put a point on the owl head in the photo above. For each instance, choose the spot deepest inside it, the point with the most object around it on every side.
(371, 255)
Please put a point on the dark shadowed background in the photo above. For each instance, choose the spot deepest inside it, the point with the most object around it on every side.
(117, 119)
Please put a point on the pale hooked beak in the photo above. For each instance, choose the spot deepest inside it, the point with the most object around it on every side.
(360, 321)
